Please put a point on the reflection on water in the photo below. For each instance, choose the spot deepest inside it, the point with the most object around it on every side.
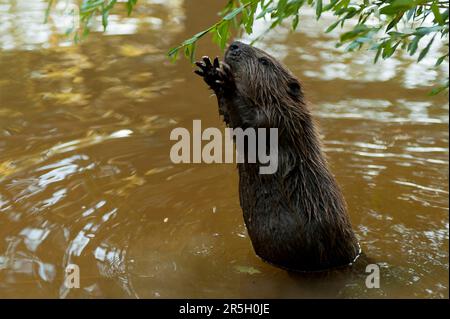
(86, 179)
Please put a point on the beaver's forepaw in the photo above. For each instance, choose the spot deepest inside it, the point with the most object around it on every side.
(225, 75)
(212, 72)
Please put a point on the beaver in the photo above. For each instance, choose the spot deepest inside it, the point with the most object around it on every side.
(297, 217)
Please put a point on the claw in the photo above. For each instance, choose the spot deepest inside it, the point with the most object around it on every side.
(200, 64)
(216, 62)
(207, 61)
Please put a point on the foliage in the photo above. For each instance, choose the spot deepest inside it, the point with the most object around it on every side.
(384, 26)
(92, 8)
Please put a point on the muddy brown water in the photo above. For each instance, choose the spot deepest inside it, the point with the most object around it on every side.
(86, 178)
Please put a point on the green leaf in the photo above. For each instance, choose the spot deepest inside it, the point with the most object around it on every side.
(189, 41)
(192, 55)
(353, 45)
(332, 27)
(425, 50)
(86, 32)
(173, 54)
(295, 22)
(410, 13)
(47, 11)
(388, 49)
(351, 12)
(281, 6)
(393, 50)
(222, 33)
(201, 33)
(330, 5)
(233, 13)
(441, 59)
(105, 15)
(395, 34)
(445, 15)
(412, 47)
(357, 31)
(397, 5)
(91, 5)
(439, 89)
(248, 17)
(426, 30)
(437, 14)
(189, 52)
(419, 11)
(319, 6)
(130, 5)
(377, 56)
(394, 21)
(341, 4)
(264, 12)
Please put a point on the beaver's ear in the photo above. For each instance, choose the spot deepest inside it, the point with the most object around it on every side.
(295, 90)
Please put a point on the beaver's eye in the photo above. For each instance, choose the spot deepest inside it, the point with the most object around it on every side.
(264, 61)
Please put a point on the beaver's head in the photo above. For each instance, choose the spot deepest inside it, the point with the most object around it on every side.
(261, 77)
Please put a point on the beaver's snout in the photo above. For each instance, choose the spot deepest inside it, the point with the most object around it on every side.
(234, 51)
(234, 47)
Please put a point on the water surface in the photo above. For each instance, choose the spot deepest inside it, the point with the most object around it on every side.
(86, 178)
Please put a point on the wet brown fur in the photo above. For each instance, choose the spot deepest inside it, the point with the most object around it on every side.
(296, 218)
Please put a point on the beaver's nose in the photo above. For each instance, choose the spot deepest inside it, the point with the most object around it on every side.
(234, 46)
